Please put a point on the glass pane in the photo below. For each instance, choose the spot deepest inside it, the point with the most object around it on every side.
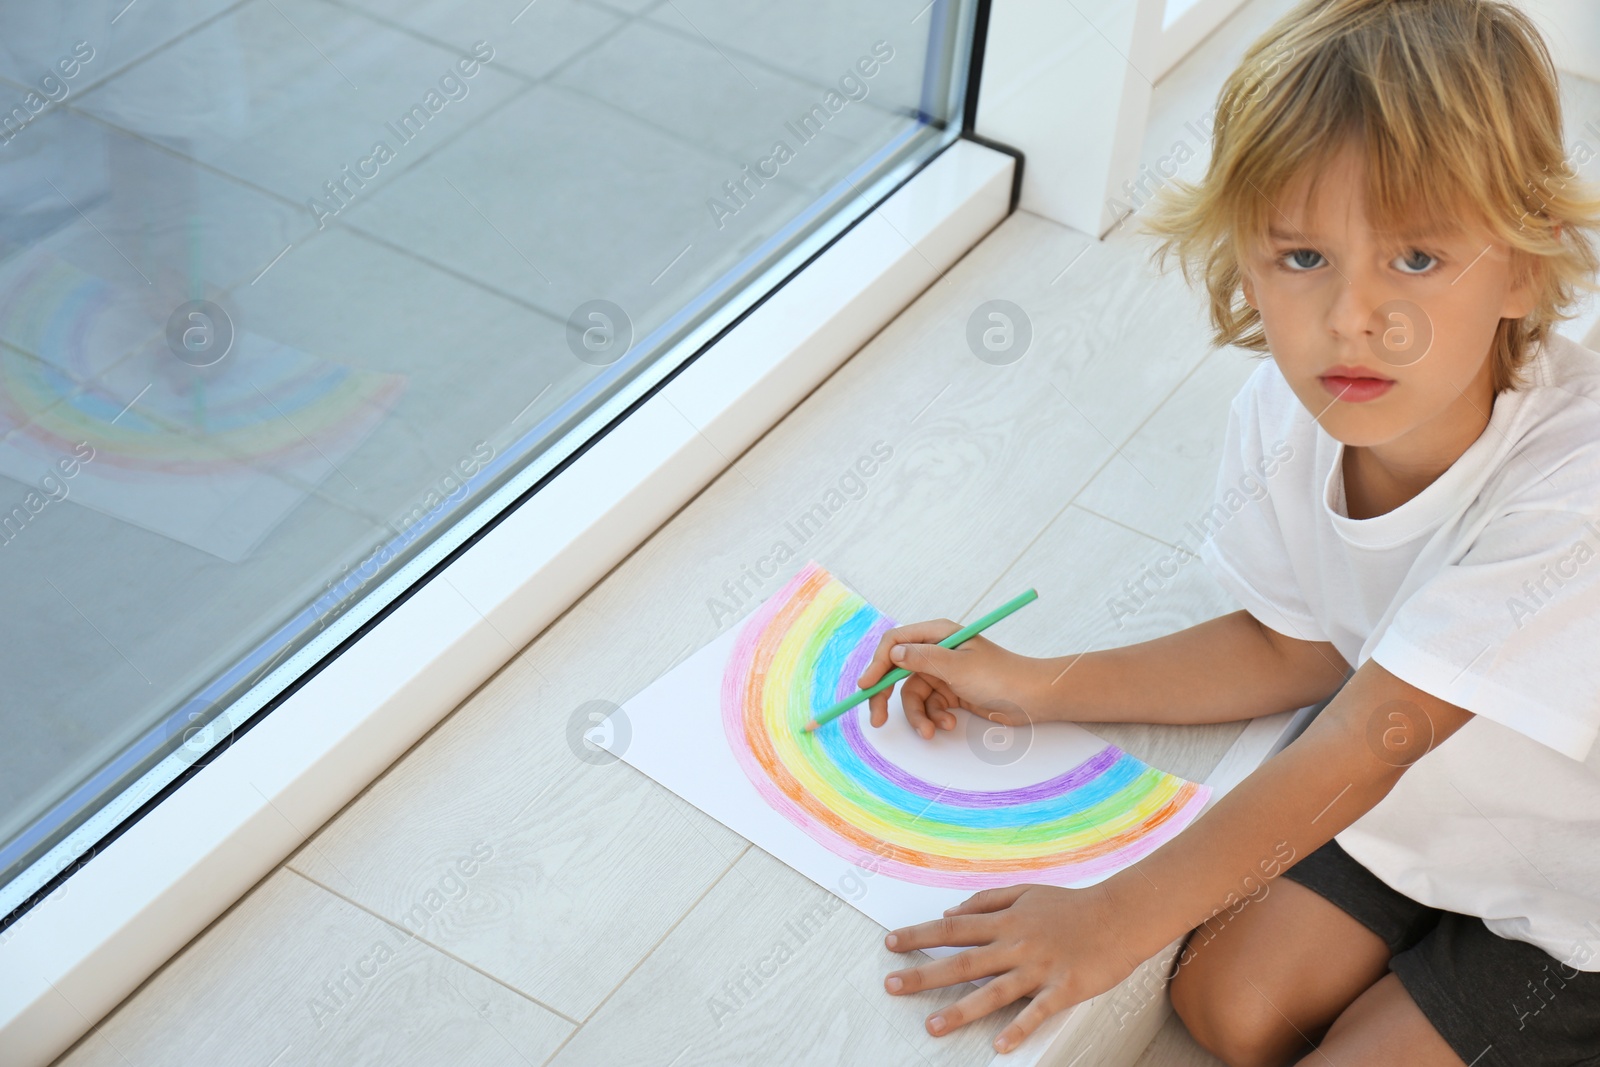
(289, 288)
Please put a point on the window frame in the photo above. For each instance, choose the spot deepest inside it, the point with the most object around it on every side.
(195, 741)
(192, 734)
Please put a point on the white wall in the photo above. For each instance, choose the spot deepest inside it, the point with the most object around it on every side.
(1069, 84)
(1573, 29)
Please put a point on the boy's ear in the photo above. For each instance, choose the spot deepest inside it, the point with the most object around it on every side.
(1523, 295)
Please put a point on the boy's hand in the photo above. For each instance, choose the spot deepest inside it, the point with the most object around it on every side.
(1058, 946)
(976, 677)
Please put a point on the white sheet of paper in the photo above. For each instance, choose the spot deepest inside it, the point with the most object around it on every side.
(672, 731)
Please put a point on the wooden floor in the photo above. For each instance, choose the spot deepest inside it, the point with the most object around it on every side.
(495, 899)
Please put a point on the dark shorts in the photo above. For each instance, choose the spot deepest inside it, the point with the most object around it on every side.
(1498, 1002)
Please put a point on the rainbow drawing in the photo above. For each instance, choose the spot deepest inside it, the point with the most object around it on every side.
(802, 650)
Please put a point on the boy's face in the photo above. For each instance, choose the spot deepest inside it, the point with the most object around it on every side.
(1385, 338)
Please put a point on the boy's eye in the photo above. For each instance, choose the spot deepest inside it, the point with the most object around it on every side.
(1414, 262)
(1303, 259)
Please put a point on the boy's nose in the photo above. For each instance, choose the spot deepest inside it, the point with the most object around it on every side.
(1356, 300)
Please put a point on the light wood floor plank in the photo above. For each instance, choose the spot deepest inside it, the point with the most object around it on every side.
(771, 969)
(1176, 454)
(590, 863)
(295, 975)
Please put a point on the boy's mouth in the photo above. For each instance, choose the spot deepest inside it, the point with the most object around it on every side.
(1355, 385)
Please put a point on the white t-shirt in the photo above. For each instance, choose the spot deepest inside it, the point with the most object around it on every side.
(1483, 590)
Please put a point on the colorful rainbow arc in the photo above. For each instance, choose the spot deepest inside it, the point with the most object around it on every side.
(802, 650)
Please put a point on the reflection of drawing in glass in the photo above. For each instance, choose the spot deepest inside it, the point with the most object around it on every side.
(802, 650)
(213, 456)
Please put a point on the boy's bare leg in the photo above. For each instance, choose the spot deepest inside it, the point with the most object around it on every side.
(1276, 976)
(1382, 1027)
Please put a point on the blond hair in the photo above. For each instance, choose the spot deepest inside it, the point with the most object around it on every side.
(1456, 105)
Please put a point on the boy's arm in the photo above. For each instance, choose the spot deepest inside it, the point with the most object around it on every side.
(1230, 667)
(1064, 951)
(1347, 760)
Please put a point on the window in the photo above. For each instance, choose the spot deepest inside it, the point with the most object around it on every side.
(297, 297)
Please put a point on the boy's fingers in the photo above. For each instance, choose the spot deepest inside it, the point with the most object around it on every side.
(988, 900)
(879, 665)
(879, 703)
(965, 966)
(914, 695)
(951, 701)
(978, 1003)
(932, 631)
(915, 690)
(926, 658)
(957, 931)
(939, 712)
(913, 639)
(878, 706)
(1037, 1010)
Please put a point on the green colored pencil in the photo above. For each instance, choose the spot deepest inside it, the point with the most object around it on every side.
(898, 673)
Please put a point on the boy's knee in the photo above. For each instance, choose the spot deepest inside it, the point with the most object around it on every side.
(1231, 1019)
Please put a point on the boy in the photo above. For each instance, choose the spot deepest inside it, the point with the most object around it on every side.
(1389, 214)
